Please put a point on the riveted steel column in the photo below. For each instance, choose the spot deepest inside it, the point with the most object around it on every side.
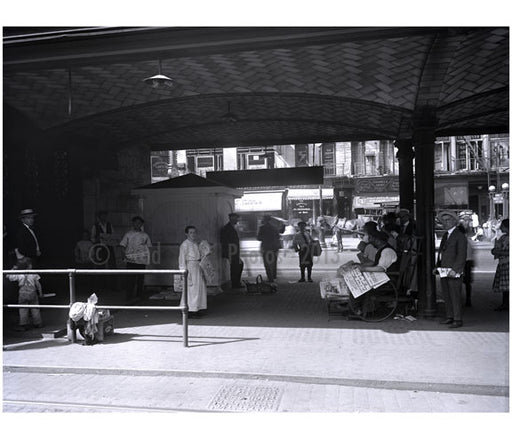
(424, 141)
(405, 154)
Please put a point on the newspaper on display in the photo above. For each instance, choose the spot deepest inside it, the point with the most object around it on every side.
(333, 288)
(360, 282)
(445, 272)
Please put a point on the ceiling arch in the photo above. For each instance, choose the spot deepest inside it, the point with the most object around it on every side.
(285, 85)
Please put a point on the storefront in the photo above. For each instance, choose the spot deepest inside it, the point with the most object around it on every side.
(305, 203)
(253, 205)
(374, 196)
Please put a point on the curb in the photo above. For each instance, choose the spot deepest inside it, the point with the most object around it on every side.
(459, 388)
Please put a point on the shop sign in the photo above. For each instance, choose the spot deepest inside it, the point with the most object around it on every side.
(498, 199)
(256, 161)
(374, 202)
(301, 155)
(159, 168)
(259, 202)
(376, 184)
(302, 208)
(310, 194)
(328, 155)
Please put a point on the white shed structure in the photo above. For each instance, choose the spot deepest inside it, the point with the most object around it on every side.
(171, 205)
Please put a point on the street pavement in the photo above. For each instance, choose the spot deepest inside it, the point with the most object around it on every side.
(264, 353)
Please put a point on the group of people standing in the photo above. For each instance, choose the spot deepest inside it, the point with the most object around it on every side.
(384, 247)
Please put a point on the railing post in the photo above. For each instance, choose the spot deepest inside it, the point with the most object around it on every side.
(184, 311)
(72, 299)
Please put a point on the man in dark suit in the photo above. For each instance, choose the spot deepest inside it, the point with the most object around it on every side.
(450, 266)
(270, 245)
(230, 249)
(27, 245)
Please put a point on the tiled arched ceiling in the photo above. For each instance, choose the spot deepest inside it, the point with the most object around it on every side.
(285, 85)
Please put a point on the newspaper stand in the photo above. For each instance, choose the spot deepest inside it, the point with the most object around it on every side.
(377, 303)
(336, 296)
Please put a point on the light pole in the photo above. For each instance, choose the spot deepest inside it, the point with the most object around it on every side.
(504, 191)
(492, 192)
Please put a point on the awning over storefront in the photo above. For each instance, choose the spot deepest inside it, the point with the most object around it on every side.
(256, 178)
(259, 202)
(374, 202)
(310, 194)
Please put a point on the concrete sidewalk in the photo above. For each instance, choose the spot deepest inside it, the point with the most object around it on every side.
(286, 342)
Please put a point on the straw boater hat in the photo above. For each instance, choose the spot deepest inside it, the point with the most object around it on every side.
(27, 212)
(447, 212)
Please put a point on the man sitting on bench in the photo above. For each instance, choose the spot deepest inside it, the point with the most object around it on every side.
(385, 258)
(385, 261)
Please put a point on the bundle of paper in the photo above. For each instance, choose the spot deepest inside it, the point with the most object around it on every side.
(333, 288)
(445, 272)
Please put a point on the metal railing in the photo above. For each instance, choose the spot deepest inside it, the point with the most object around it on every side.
(72, 293)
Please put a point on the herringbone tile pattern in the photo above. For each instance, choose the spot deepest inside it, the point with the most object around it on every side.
(345, 90)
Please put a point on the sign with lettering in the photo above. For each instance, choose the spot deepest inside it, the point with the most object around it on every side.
(328, 153)
(259, 202)
(301, 155)
(374, 202)
(377, 185)
(159, 168)
(302, 208)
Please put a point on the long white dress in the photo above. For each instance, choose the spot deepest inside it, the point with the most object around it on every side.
(189, 259)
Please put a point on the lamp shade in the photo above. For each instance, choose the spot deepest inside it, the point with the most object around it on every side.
(159, 81)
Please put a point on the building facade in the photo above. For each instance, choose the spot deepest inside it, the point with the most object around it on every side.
(359, 177)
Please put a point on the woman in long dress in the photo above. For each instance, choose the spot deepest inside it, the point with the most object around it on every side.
(189, 259)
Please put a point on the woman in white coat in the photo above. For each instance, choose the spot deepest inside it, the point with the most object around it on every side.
(189, 259)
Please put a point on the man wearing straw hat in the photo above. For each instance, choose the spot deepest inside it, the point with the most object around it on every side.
(27, 244)
(450, 267)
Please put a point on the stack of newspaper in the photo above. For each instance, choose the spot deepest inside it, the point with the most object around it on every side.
(360, 282)
(333, 288)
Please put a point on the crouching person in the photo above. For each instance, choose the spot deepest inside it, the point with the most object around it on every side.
(84, 317)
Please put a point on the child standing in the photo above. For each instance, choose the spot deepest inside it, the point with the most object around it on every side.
(29, 290)
(83, 251)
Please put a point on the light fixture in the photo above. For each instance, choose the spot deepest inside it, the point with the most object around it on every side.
(504, 187)
(229, 116)
(492, 188)
(159, 80)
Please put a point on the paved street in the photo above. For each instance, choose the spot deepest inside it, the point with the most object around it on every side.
(330, 260)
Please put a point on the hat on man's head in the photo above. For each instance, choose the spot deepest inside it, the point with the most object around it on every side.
(403, 212)
(233, 215)
(370, 226)
(381, 236)
(451, 213)
(27, 212)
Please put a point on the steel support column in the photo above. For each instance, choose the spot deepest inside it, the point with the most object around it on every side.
(424, 141)
(405, 154)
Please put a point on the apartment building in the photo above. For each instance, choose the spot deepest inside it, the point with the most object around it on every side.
(359, 177)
